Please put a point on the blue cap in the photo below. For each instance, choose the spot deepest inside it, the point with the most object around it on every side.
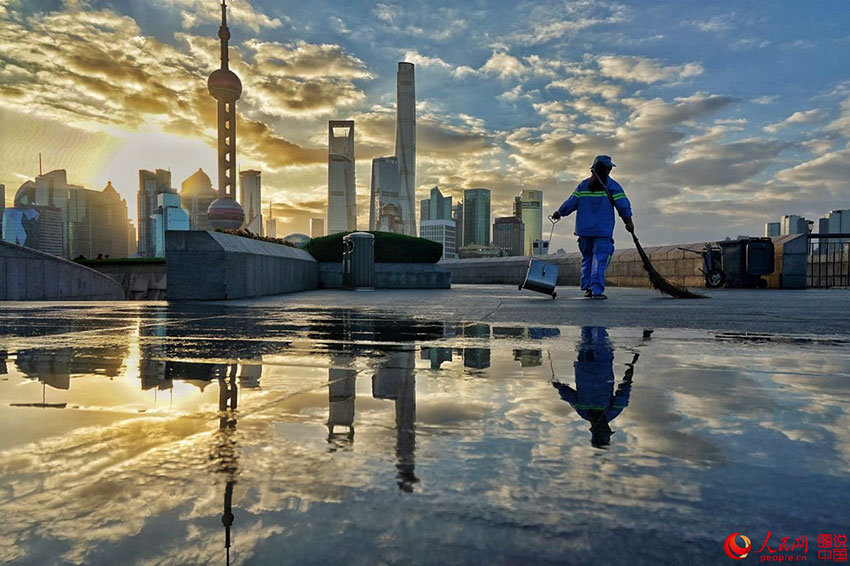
(604, 160)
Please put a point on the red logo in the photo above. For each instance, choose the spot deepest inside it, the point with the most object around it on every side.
(733, 550)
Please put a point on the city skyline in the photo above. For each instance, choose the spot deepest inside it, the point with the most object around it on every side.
(718, 116)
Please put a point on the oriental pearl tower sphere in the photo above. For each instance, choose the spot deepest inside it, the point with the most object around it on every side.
(226, 88)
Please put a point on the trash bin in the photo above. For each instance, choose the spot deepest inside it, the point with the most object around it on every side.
(358, 261)
(744, 264)
(760, 256)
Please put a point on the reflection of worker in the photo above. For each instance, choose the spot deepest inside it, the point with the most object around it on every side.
(594, 398)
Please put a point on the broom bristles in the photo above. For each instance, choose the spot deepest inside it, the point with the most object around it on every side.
(656, 281)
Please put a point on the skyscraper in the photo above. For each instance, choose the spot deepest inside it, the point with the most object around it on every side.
(226, 88)
(457, 216)
(150, 185)
(476, 217)
(342, 204)
(384, 207)
(405, 145)
(2, 206)
(317, 227)
(531, 214)
(442, 231)
(271, 224)
(437, 207)
(167, 216)
(196, 196)
(508, 235)
(249, 198)
(68, 220)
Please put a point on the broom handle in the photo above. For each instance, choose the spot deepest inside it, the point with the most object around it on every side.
(614, 206)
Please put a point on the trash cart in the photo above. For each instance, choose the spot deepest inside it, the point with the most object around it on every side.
(745, 260)
(358, 261)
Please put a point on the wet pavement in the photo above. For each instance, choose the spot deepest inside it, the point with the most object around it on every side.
(295, 434)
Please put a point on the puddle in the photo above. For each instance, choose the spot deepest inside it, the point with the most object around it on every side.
(202, 435)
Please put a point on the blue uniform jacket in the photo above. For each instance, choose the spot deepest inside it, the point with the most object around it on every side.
(595, 214)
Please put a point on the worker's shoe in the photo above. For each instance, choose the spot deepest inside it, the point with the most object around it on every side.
(599, 296)
(588, 293)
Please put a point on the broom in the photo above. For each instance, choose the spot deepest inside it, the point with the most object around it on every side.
(656, 281)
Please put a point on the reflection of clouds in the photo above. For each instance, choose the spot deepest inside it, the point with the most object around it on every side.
(502, 461)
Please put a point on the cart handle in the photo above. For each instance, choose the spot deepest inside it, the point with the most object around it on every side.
(689, 250)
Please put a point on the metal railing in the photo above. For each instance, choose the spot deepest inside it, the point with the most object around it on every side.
(828, 260)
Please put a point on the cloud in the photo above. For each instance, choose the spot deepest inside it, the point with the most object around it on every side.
(830, 170)
(718, 23)
(424, 61)
(305, 60)
(764, 100)
(641, 69)
(588, 85)
(242, 13)
(117, 77)
(386, 13)
(504, 65)
(800, 117)
(550, 21)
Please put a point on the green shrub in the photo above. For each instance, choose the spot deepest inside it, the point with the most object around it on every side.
(389, 248)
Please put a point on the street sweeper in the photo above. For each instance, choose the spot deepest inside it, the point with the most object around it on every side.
(593, 201)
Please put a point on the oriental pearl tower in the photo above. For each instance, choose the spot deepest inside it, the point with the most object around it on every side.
(226, 88)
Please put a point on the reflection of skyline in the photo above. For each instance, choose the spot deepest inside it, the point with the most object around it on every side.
(488, 453)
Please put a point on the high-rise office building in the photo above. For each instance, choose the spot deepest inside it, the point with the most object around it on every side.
(793, 224)
(271, 224)
(385, 212)
(249, 198)
(835, 222)
(437, 207)
(442, 231)
(772, 228)
(90, 222)
(405, 145)
(530, 212)
(457, 216)
(167, 216)
(342, 205)
(38, 227)
(424, 210)
(476, 217)
(2, 206)
(105, 226)
(151, 184)
(317, 227)
(509, 235)
(196, 196)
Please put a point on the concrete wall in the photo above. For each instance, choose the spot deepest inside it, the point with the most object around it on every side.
(626, 268)
(31, 275)
(392, 276)
(141, 282)
(205, 265)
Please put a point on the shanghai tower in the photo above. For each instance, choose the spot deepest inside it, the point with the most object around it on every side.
(226, 88)
(405, 145)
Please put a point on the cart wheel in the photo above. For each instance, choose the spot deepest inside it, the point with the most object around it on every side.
(762, 284)
(715, 279)
(554, 294)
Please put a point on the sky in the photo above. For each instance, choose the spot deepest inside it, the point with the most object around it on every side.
(719, 115)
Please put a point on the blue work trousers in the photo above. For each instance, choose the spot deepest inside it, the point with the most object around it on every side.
(596, 253)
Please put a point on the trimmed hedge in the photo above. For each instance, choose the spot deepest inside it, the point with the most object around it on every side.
(389, 248)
